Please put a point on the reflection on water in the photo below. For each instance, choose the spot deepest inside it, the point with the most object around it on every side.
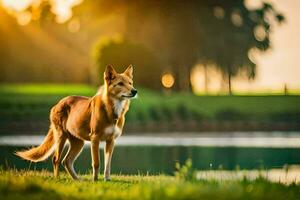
(158, 154)
(232, 139)
(161, 159)
(287, 175)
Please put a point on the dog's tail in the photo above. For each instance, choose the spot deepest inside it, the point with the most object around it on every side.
(40, 153)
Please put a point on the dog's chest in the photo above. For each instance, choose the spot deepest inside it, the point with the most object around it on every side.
(112, 131)
(118, 107)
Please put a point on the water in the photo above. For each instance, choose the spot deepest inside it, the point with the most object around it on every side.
(158, 154)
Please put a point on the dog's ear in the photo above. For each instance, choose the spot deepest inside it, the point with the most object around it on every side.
(110, 73)
(129, 71)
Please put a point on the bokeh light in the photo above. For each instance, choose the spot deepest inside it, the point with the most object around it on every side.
(236, 18)
(253, 54)
(74, 25)
(24, 18)
(167, 80)
(218, 12)
(253, 4)
(260, 33)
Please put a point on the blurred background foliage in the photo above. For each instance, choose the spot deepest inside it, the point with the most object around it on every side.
(50, 49)
(166, 37)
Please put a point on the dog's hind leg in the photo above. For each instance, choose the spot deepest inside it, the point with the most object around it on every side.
(74, 150)
(60, 143)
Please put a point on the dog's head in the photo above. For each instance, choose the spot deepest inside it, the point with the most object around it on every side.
(119, 86)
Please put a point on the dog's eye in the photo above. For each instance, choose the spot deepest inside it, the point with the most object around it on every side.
(121, 84)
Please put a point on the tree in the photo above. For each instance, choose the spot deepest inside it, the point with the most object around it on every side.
(207, 32)
(176, 34)
(236, 33)
(168, 29)
(124, 53)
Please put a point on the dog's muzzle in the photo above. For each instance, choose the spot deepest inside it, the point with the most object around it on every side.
(133, 92)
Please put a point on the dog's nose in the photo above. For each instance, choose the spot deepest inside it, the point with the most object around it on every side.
(133, 92)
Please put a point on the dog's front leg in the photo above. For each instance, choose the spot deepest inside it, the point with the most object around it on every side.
(95, 158)
(109, 148)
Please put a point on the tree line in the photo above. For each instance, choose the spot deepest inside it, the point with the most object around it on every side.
(181, 34)
(156, 37)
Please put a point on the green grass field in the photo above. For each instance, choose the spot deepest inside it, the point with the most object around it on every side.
(26, 107)
(33, 101)
(41, 185)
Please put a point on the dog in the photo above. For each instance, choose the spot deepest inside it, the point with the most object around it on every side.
(78, 119)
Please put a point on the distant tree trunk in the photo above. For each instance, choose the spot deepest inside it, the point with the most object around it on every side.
(187, 82)
(286, 91)
(205, 79)
(176, 78)
(182, 79)
(229, 84)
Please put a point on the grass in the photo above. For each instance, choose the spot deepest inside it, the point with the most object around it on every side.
(41, 185)
(33, 101)
(46, 89)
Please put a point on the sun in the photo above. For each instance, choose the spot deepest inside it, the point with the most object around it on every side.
(62, 9)
(16, 5)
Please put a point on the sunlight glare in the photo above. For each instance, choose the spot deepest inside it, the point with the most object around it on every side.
(24, 18)
(202, 86)
(16, 5)
(63, 9)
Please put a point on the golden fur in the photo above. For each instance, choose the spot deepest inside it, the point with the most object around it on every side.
(95, 119)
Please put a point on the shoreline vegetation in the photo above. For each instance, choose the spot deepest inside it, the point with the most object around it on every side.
(26, 108)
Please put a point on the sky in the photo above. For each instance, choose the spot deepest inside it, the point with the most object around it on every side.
(279, 65)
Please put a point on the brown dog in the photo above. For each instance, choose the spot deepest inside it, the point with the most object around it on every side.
(77, 118)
